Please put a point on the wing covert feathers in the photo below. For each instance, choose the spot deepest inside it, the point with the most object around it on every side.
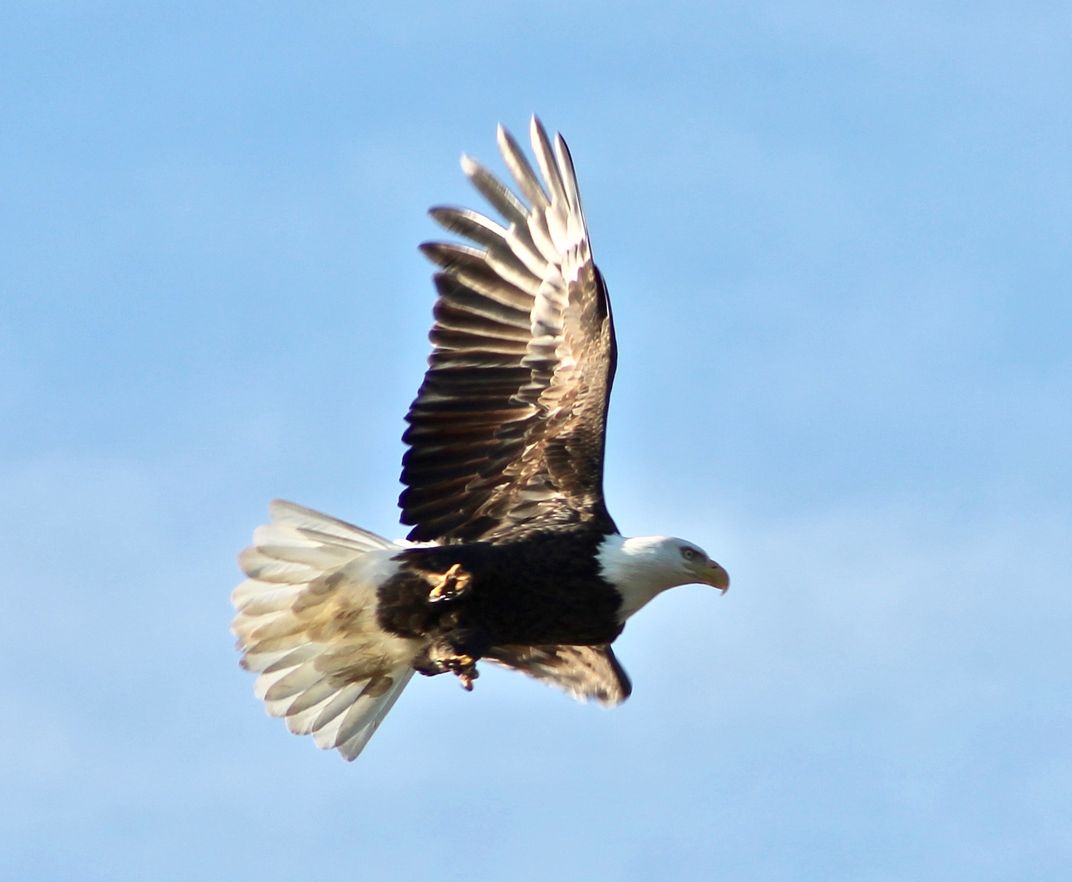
(507, 431)
(585, 672)
(305, 622)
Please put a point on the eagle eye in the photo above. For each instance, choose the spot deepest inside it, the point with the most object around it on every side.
(689, 554)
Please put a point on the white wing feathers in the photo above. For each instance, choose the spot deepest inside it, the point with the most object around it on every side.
(306, 623)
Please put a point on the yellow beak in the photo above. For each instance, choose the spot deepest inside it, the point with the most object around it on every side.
(717, 577)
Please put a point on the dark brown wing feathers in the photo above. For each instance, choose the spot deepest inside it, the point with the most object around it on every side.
(585, 672)
(506, 434)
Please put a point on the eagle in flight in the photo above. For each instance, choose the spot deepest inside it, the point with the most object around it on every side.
(512, 556)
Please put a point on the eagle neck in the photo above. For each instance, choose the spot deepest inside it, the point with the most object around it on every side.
(636, 568)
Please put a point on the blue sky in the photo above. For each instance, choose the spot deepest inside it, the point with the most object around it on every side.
(838, 241)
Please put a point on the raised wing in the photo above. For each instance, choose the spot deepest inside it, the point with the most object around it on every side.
(506, 434)
(585, 672)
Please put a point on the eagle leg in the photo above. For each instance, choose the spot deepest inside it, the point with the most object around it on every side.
(466, 675)
(458, 653)
(450, 585)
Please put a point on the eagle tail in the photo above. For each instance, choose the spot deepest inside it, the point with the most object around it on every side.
(306, 624)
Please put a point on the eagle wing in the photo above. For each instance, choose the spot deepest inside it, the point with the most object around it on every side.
(506, 434)
(585, 672)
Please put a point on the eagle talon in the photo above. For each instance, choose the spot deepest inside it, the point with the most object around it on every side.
(463, 667)
(451, 585)
(443, 659)
(466, 676)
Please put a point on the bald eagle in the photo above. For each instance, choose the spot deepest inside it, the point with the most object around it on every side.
(512, 556)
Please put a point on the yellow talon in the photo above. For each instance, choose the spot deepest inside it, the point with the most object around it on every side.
(452, 583)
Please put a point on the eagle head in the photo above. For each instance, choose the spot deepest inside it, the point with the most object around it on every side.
(644, 566)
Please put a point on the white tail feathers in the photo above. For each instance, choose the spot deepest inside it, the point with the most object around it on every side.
(306, 623)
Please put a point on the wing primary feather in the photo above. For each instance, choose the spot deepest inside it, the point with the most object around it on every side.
(569, 178)
(505, 202)
(546, 160)
(470, 225)
(521, 169)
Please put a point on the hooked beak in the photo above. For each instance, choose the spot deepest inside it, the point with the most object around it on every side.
(717, 577)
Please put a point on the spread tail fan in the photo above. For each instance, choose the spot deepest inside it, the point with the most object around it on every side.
(306, 623)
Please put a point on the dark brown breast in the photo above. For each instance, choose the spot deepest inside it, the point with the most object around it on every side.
(543, 589)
